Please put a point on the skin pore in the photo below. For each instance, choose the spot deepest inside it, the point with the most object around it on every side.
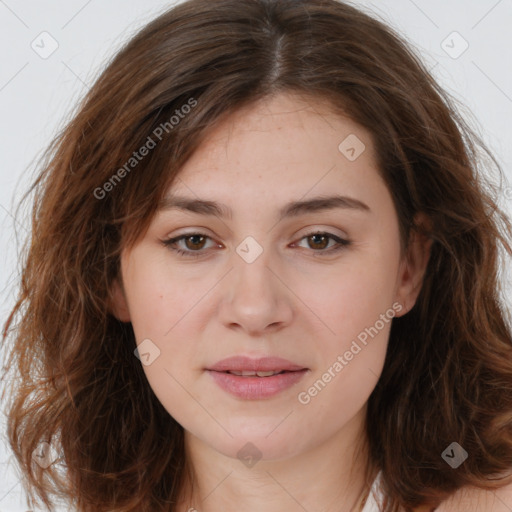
(300, 299)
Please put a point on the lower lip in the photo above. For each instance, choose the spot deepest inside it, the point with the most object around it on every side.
(253, 388)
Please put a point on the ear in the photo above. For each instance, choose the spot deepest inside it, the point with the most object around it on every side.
(118, 305)
(414, 264)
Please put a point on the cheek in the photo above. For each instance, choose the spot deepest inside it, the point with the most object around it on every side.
(160, 306)
(147, 301)
(159, 295)
(357, 312)
(167, 307)
(356, 308)
(350, 298)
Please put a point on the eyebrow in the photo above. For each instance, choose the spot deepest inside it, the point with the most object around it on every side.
(293, 209)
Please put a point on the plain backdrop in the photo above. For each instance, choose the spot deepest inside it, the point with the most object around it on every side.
(39, 91)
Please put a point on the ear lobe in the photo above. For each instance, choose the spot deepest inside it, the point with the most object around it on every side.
(118, 305)
(414, 264)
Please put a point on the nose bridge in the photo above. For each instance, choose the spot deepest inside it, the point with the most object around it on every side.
(253, 297)
(252, 276)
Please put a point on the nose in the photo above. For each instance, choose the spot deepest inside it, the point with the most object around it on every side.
(255, 298)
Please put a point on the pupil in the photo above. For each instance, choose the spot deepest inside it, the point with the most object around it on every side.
(194, 240)
(319, 236)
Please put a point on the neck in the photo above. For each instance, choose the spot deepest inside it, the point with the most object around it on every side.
(332, 476)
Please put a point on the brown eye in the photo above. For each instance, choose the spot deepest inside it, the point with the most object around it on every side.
(319, 241)
(190, 245)
(196, 242)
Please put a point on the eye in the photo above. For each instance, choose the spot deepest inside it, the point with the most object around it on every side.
(194, 243)
(319, 240)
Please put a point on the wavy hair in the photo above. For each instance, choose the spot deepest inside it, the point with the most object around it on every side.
(447, 376)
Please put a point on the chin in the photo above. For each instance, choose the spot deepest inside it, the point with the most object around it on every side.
(259, 440)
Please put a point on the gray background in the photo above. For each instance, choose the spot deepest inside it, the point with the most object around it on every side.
(37, 94)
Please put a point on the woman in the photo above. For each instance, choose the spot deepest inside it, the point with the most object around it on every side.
(263, 275)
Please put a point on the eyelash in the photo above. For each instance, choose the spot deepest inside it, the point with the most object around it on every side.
(171, 242)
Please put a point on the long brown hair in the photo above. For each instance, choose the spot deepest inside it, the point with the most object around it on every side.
(75, 382)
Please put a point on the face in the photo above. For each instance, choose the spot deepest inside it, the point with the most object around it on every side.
(300, 261)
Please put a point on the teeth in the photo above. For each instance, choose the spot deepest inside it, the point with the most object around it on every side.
(266, 374)
(252, 374)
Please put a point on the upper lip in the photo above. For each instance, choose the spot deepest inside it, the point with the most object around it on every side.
(263, 364)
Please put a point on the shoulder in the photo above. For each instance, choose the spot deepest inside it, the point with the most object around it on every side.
(473, 499)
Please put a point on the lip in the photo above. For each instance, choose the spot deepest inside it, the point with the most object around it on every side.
(263, 364)
(256, 388)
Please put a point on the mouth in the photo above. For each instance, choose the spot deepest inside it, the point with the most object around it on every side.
(256, 379)
(262, 367)
(249, 373)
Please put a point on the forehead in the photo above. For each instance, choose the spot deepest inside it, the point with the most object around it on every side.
(278, 123)
(281, 146)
